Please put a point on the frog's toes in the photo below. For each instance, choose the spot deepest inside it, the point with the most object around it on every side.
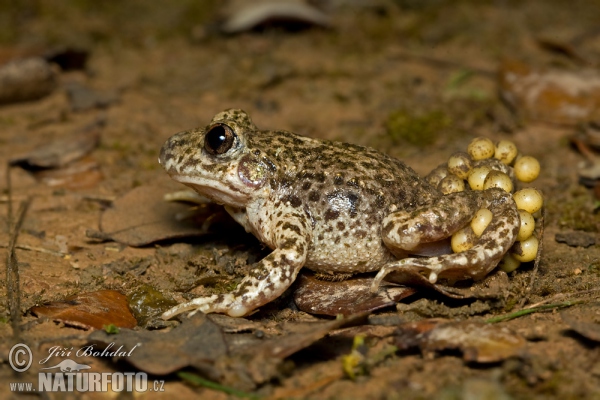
(216, 303)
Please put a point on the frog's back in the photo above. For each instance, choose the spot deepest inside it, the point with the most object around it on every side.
(345, 190)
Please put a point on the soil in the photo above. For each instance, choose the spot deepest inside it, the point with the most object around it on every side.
(433, 63)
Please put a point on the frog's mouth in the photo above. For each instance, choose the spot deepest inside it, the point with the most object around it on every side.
(218, 191)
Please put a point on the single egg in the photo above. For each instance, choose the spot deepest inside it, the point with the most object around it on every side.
(477, 177)
(482, 219)
(451, 184)
(435, 177)
(505, 151)
(509, 263)
(527, 169)
(527, 225)
(525, 250)
(463, 239)
(528, 199)
(498, 179)
(481, 148)
(460, 164)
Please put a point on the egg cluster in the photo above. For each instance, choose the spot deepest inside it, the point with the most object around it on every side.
(485, 166)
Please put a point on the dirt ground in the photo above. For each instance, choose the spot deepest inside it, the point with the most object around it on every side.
(167, 68)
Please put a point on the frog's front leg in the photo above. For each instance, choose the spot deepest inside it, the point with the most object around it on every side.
(269, 278)
(474, 263)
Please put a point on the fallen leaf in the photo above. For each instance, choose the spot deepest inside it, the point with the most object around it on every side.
(197, 342)
(290, 15)
(83, 98)
(64, 150)
(583, 323)
(26, 79)
(478, 341)
(348, 297)
(91, 310)
(200, 343)
(142, 217)
(555, 96)
(80, 174)
(576, 239)
(493, 286)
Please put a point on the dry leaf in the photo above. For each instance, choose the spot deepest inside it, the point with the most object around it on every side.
(583, 323)
(142, 217)
(493, 286)
(64, 150)
(26, 79)
(348, 297)
(197, 342)
(90, 310)
(478, 341)
(555, 96)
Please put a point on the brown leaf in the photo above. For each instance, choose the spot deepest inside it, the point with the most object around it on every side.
(142, 217)
(91, 310)
(493, 286)
(80, 174)
(64, 150)
(585, 325)
(258, 363)
(197, 342)
(555, 96)
(348, 297)
(26, 79)
(478, 341)
(576, 239)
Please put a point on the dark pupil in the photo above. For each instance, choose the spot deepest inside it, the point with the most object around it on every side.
(218, 140)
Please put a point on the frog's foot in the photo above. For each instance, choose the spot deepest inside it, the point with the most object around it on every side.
(269, 278)
(211, 304)
(479, 260)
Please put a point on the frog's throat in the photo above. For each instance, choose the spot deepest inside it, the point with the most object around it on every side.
(218, 191)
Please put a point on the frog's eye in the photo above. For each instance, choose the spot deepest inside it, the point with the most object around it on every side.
(219, 139)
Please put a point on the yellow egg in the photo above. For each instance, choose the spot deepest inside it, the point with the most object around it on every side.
(477, 177)
(498, 179)
(527, 169)
(460, 164)
(451, 184)
(528, 199)
(463, 239)
(509, 263)
(481, 148)
(525, 250)
(505, 151)
(436, 176)
(527, 225)
(482, 219)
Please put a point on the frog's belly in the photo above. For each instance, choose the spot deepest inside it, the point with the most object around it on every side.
(347, 256)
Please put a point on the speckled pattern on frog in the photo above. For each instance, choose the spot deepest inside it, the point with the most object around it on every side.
(331, 207)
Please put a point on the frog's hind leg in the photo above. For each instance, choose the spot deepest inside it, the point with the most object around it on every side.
(476, 262)
(267, 280)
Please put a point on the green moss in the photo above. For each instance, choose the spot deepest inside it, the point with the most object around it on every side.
(417, 129)
(146, 302)
(577, 212)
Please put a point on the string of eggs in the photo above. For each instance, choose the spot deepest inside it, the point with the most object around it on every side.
(460, 172)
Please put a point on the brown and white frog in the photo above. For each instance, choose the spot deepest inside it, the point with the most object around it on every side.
(331, 207)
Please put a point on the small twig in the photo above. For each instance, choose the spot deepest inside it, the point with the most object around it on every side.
(536, 264)
(37, 249)
(13, 288)
(526, 311)
(561, 296)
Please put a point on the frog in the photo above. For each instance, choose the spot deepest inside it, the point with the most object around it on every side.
(331, 207)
